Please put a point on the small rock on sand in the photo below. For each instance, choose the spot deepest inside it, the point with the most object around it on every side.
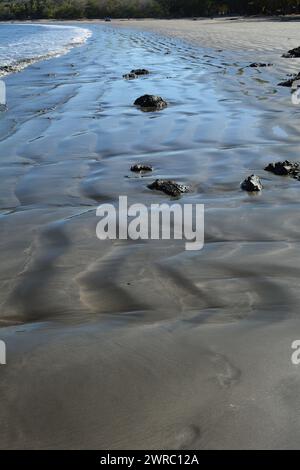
(285, 168)
(252, 184)
(151, 102)
(140, 72)
(140, 168)
(293, 53)
(171, 188)
(259, 64)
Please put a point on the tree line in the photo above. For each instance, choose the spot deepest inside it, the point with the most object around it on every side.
(75, 9)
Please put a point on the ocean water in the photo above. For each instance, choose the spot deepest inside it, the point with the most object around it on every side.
(24, 44)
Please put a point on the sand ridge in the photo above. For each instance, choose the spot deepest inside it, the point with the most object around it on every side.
(230, 33)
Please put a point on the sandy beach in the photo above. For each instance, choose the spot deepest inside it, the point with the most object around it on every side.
(248, 34)
(140, 344)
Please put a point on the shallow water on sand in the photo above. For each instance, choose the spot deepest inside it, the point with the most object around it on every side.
(67, 142)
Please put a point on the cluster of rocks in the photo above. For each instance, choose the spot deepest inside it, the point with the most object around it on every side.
(252, 183)
(290, 82)
(154, 103)
(285, 168)
(135, 73)
(291, 54)
(146, 102)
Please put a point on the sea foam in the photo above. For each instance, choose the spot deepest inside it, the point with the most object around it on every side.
(24, 44)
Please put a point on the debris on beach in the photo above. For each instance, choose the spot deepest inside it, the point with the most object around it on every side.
(140, 72)
(151, 102)
(285, 168)
(171, 188)
(140, 168)
(292, 54)
(290, 82)
(252, 184)
(259, 64)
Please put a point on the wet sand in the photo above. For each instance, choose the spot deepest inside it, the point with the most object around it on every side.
(131, 345)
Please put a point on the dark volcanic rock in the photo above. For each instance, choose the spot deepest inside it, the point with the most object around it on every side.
(151, 102)
(259, 64)
(285, 168)
(169, 187)
(289, 83)
(140, 72)
(135, 74)
(139, 168)
(252, 184)
(130, 76)
(293, 53)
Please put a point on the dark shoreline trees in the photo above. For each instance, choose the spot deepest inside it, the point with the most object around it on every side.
(75, 9)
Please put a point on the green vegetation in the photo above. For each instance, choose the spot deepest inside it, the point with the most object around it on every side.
(72, 9)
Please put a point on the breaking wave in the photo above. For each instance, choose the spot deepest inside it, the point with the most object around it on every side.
(24, 44)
